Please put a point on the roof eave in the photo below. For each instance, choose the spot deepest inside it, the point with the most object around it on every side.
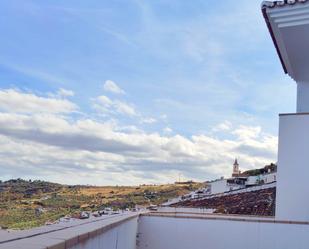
(264, 12)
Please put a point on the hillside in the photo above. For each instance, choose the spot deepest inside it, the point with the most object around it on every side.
(254, 172)
(25, 204)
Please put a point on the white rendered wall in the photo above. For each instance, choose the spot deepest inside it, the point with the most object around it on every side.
(292, 201)
(302, 97)
(188, 233)
(269, 178)
(122, 236)
(252, 180)
(219, 186)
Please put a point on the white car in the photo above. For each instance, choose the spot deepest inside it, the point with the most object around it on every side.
(84, 215)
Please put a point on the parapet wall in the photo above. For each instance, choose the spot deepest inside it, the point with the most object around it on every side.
(292, 177)
(110, 232)
(122, 236)
(183, 231)
(164, 231)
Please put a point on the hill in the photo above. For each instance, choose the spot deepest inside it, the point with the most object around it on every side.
(254, 172)
(26, 204)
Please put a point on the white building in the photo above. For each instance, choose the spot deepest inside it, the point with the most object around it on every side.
(261, 179)
(288, 24)
(240, 181)
(226, 185)
(218, 186)
(269, 178)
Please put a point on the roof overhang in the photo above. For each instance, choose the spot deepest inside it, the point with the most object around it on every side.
(288, 24)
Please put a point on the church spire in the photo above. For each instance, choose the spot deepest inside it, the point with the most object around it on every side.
(236, 170)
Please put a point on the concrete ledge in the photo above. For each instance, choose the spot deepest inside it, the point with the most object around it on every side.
(215, 214)
(225, 218)
(63, 237)
(294, 114)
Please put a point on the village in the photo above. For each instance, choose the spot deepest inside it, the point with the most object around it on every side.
(251, 192)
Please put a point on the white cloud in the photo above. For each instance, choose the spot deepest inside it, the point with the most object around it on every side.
(167, 130)
(104, 149)
(105, 101)
(118, 154)
(225, 126)
(244, 132)
(106, 105)
(148, 120)
(65, 93)
(111, 86)
(12, 100)
(125, 108)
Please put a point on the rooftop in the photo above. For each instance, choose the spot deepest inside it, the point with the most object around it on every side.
(272, 4)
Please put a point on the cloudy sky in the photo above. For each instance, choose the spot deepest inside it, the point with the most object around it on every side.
(137, 91)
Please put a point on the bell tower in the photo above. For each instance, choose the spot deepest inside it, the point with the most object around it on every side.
(236, 170)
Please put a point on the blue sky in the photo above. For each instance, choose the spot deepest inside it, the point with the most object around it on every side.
(162, 74)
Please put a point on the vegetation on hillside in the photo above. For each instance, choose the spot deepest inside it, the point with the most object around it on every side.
(254, 172)
(26, 204)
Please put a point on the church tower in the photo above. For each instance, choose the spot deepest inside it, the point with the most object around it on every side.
(236, 170)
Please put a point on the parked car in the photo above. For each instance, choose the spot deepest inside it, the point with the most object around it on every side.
(102, 212)
(84, 215)
(96, 214)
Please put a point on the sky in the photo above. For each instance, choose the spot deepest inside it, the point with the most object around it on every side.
(128, 92)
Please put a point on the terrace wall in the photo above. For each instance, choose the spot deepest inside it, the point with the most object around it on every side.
(193, 232)
(293, 171)
(109, 232)
(122, 236)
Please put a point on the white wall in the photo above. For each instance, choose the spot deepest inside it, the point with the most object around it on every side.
(252, 180)
(302, 97)
(269, 178)
(219, 186)
(292, 201)
(188, 233)
(186, 210)
(123, 236)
